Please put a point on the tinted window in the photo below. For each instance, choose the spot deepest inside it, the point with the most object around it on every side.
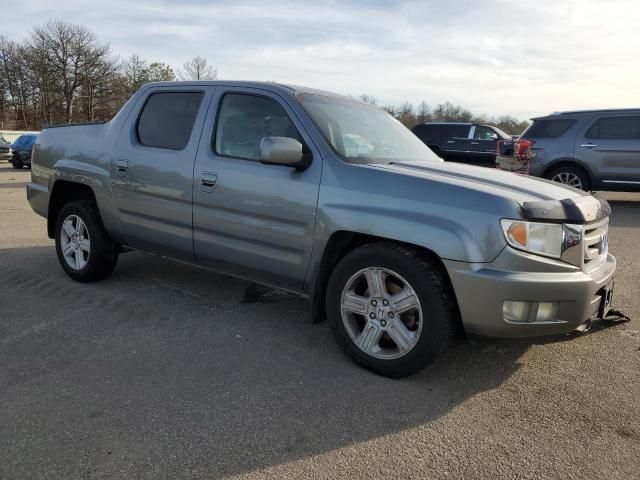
(485, 133)
(167, 119)
(24, 142)
(616, 128)
(548, 128)
(438, 130)
(244, 120)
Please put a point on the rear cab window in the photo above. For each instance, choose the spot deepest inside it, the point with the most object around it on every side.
(548, 128)
(167, 119)
(615, 128)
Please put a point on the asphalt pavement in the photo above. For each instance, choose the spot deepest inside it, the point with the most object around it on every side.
(169, 371)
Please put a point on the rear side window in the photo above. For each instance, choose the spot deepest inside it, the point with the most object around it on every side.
(548, 128)
(167, 119)
(618, 128)
(429, 131)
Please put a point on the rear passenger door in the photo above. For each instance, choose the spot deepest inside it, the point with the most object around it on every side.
(251, 219)
(611, 146)
(456, 142)
(152, 170)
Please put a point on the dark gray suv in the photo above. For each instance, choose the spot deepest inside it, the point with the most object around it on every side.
(589, 150)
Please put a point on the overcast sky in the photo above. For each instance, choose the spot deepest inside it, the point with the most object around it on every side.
(521, 58)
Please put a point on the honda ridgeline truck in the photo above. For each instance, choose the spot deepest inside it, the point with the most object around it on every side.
(398, 249)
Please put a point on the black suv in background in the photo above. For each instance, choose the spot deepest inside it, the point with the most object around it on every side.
(462, 142)
(589, 150)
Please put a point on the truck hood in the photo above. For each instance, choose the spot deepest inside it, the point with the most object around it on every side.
(539, 199)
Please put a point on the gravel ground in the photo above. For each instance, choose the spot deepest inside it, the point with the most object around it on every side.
(167, 371)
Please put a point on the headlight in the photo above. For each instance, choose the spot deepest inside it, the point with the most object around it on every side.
(539, 238)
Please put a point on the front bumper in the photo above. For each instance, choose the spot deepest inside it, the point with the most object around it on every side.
(481, 289)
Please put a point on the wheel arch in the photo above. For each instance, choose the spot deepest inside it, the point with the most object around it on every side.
(573, 162)
(63, 192)
(340, 244)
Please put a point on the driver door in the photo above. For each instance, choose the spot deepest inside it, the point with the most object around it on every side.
(251, 219)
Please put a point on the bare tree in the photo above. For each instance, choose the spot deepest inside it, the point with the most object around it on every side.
(198, 69)
(66, 47)
(423, 113)
(405, 113)
(15, 78)
(98, 73)
(134, 69)
(448, 112)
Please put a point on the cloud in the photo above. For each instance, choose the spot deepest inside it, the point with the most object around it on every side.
(493, 56)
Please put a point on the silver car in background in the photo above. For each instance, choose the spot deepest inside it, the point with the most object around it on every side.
(589, 150)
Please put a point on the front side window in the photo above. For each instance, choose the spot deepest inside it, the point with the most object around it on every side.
(361, 133)
(616, 128)
(167, 119)
(484, 133)
(244, 120)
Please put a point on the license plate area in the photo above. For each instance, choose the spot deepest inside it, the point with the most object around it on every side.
(606, 300)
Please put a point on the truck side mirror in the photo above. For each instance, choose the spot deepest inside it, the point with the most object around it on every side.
(282, 151)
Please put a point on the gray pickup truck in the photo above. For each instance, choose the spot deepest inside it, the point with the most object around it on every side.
(330, 198)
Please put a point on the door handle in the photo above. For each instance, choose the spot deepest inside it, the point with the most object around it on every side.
(589, 145)
(122, 167)
(475, 143)
(208, 181)
(451, 141)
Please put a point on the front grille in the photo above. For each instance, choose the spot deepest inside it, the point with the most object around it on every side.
(4, 149)
(596, 243)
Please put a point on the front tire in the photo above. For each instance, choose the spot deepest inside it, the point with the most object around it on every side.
(16, 162)
(390, 308)
(571, 176)
(84, 248)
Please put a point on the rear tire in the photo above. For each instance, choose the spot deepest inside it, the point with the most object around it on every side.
(84, 248)
(570, 175)
(16, 162)
(397, 325)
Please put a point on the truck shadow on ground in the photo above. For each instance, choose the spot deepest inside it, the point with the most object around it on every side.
(171, 364)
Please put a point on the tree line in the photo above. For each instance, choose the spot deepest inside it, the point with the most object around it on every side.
(411, 115)
(62, 73)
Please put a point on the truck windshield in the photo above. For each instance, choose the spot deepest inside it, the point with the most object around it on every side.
(361, 133)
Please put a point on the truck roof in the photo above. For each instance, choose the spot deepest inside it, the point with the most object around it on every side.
(449, 123)
(273, 86)
(595, 110)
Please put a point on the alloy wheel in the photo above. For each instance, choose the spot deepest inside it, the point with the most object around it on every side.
(381, 313)
(75, 242)
(568, 178)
